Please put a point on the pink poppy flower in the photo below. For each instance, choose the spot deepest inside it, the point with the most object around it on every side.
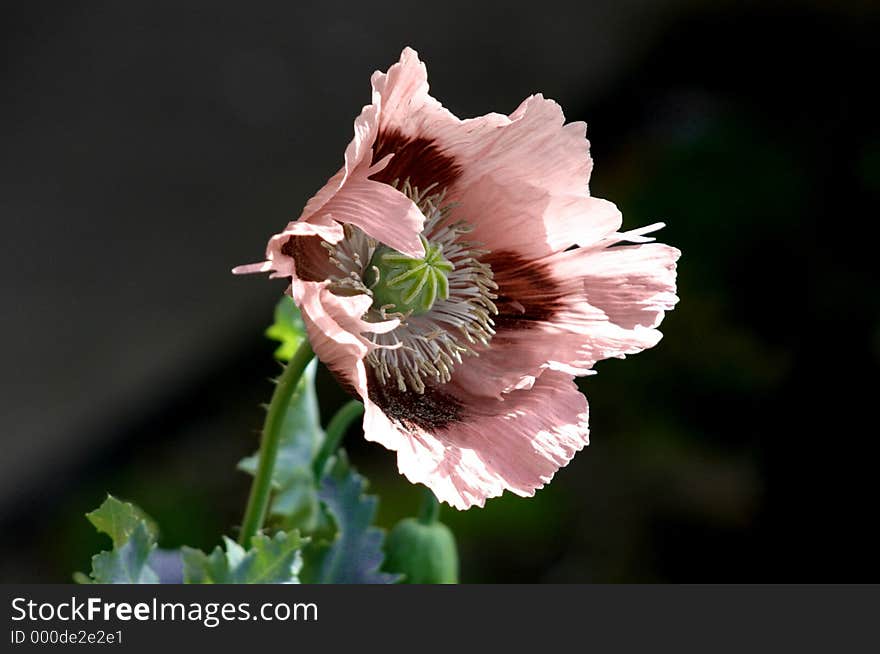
(456, 275)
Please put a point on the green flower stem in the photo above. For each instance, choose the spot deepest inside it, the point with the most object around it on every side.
(429, 511)
(339, 424)
(261, 488)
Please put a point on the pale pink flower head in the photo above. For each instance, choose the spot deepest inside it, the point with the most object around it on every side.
(456, 275)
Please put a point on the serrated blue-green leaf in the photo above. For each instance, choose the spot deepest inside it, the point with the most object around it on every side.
(119, 519)
(127, 564)
(354, 554)
(275, 560)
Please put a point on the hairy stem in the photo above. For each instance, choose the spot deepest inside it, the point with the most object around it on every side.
(261, 488)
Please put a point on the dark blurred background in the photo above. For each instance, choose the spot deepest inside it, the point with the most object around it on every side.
(148, 147)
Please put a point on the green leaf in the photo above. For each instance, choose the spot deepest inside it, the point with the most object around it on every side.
(295, 501)
(119, 520)
(354, 554)
(287, 328)
(274, 560)
(134, 540)
(127, 564)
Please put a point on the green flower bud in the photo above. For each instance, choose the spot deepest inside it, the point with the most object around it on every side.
(423, 553)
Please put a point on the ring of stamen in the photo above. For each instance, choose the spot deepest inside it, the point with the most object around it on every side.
(434, 335)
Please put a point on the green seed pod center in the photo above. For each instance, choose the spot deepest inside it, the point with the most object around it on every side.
(410, 284)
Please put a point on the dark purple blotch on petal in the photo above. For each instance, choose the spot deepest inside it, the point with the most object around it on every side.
(417, 159)
(527, 292)
(308, 256)
(431, 411)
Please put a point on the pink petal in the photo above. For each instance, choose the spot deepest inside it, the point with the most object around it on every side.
(516, 444)
(279, 263)
(378, 209)
(634, 285)
(335, 330)
(524, 185)
(521, 180)
(606, 304)
(358, 152)
(402, 94)
(381, 211)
